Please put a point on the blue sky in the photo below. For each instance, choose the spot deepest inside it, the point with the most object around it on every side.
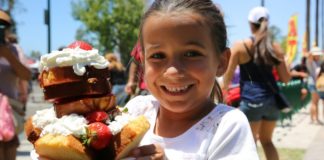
(32, 31)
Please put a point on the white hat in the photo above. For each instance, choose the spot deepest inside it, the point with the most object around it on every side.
(315, 51)
(257, 13)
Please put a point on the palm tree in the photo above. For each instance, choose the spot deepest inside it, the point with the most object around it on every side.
(316, 24)
(307, 24)
(322, 24)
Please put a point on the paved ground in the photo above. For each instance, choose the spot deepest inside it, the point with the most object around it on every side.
(35, 102)
(297, 133)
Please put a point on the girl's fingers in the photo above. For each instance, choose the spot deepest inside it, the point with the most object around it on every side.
(152, 157)
(43, 158)
(148, 152)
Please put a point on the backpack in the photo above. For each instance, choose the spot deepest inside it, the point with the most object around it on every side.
(7, 131)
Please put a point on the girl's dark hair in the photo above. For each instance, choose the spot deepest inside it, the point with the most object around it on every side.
(263, 51)
(213, 18)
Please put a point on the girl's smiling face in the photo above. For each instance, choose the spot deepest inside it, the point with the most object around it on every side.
(180, 61)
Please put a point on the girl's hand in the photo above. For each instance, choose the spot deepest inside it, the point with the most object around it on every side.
(148, 152)
(43, 158)
(130, 88)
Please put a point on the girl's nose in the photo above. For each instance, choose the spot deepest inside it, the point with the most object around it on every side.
(171, 70)
(175, 69)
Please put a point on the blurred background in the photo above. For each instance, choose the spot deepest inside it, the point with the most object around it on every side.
(46, 25)
(112, 26)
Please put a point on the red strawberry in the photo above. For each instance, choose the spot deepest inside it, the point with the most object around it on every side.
(99, 135)
(97, 116)
(81, 44)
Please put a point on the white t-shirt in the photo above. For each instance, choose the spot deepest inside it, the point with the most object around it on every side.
(222, 134)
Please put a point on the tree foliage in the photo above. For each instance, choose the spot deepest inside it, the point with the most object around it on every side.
(109, 24)
(35, 55)
(275, 34)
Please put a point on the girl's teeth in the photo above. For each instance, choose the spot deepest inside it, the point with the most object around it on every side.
(178, 89)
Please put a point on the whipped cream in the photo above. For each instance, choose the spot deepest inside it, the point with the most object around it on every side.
(44, 117)
(72, 124)
(76, 57)
(69, 124)
(119, 122)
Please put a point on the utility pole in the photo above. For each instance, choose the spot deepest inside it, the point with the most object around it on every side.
(307, 24)
(316, 24)
(47, 17)
(322, 24)
(262, 3)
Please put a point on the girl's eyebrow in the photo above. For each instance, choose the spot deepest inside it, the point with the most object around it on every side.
(195, 43)
(152, 46)
(192, 42)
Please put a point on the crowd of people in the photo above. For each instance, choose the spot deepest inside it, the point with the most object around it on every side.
(181, 51)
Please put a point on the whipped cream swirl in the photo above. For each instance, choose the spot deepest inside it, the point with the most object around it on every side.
(69, 124)
(77, 58)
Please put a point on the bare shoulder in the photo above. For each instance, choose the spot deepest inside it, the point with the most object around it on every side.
(240, 51)
(239, 45)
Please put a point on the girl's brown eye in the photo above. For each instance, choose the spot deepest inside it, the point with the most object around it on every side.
(157, 56)
(192, 54)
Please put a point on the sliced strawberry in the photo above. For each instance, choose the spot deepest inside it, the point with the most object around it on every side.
(99, 135)
(81, 44)
(97, 116)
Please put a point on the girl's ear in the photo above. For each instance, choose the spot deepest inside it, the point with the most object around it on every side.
(223, 62)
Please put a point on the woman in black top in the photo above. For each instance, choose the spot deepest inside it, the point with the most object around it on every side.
(257, 56)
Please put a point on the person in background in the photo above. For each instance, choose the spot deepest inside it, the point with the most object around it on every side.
(257, 56)
(232, 94)
(11, 71)
(313, 65)
(118, 76)
(299, 72)
(183, 49)
(135, 84)
(320, 84)
(25, 87)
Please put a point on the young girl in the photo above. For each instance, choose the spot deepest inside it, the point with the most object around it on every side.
(184, 49)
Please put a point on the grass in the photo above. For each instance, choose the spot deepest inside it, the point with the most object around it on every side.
(285, 154)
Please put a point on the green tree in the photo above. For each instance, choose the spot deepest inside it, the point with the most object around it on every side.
(35, 55)
(275, 33)
(109, 24)
(283, 43)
